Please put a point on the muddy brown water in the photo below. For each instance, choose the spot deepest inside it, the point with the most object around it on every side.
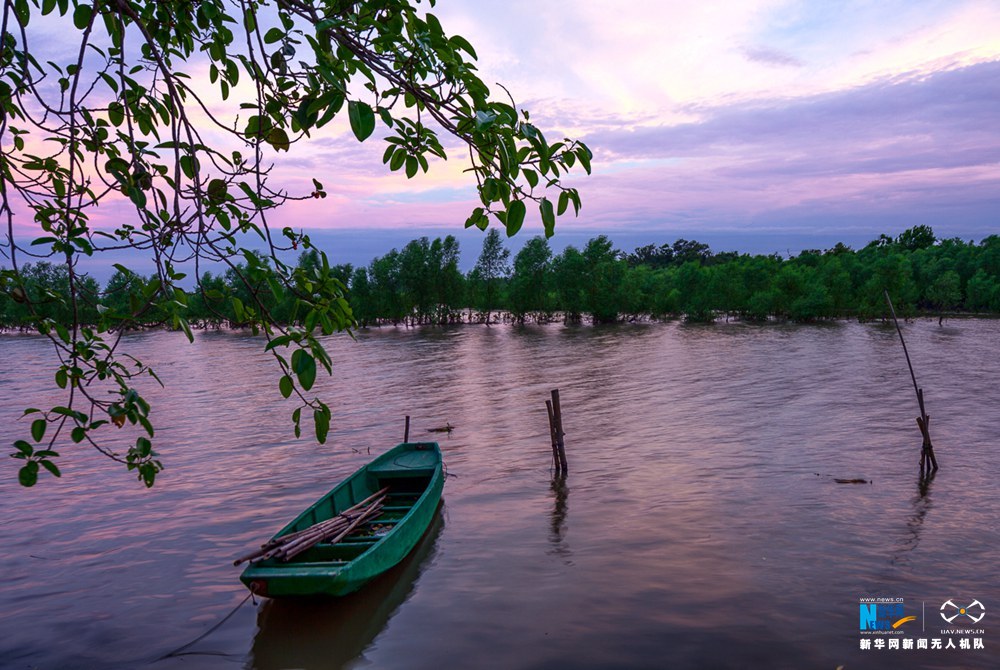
(700, 525)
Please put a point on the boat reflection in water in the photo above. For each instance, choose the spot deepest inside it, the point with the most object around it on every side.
(330, 633)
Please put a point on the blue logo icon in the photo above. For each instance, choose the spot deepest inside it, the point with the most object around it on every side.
(882, 616)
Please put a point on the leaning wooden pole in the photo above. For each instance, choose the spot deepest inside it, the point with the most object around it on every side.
(928, 462)
(559, 434)
(406, 431)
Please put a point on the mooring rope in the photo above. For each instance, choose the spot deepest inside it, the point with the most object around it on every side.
(179, 651)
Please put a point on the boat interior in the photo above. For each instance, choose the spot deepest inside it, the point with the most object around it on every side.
(406, 476)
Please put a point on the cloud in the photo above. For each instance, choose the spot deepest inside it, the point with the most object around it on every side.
(762, 113)
(912, 148)
(770, 56)
(930, 117)
(918, 148)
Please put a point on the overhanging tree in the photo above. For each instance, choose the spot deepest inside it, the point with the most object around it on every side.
(178, 110)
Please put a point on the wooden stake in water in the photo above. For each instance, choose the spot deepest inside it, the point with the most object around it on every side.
(406, 431)
(556, 432)
(927, 460)
(552, 436)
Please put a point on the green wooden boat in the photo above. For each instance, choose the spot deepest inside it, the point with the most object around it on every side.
(413, 473)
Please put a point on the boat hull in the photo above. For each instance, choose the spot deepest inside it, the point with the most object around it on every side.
(415, 477)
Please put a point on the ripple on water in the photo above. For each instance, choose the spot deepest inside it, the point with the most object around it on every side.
(700, 525)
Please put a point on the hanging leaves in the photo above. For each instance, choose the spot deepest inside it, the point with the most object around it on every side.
(362, 119)
(191, 176)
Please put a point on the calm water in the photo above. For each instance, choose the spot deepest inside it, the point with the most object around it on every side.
(699, 527)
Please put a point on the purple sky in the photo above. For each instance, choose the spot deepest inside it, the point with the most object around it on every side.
(741, 121)
(733, 120)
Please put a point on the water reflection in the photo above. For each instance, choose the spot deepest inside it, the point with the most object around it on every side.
(699, 537)
(557, 534)
(921, 504)
(331, 633)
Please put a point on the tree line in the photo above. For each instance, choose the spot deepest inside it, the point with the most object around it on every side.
(422, 284)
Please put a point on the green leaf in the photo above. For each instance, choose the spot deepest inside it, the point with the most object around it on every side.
(411, 167)
(531, 176)
(386, 116)
(24, 447)
(116, 113)
(118, 167)
(583, 153)
(189, 166)
(473, 219)
(67, 412)
(51, 467)
(137, 197)
(278, 139)
(362, 119)
(257, 127)
(285, 386)
(278, 341)
(38, 427)
(322, 419)
(78, 434)
(22, 11)
(273, 35)
(484, 120)
(28, 475)
(397, 160)
(81, 19)
(304, 366)
(563, 202)
(461, 43)
(216, 190)
(182, 323)
(238, 311)
(574, 196)
(548, 217)
(490, 190)
(515, 217)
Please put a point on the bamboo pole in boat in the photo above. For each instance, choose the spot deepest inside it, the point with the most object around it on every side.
(322, 533)
(292, 550)
(273, 547)
(343, 518)
(345, 515)
(286, 551)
